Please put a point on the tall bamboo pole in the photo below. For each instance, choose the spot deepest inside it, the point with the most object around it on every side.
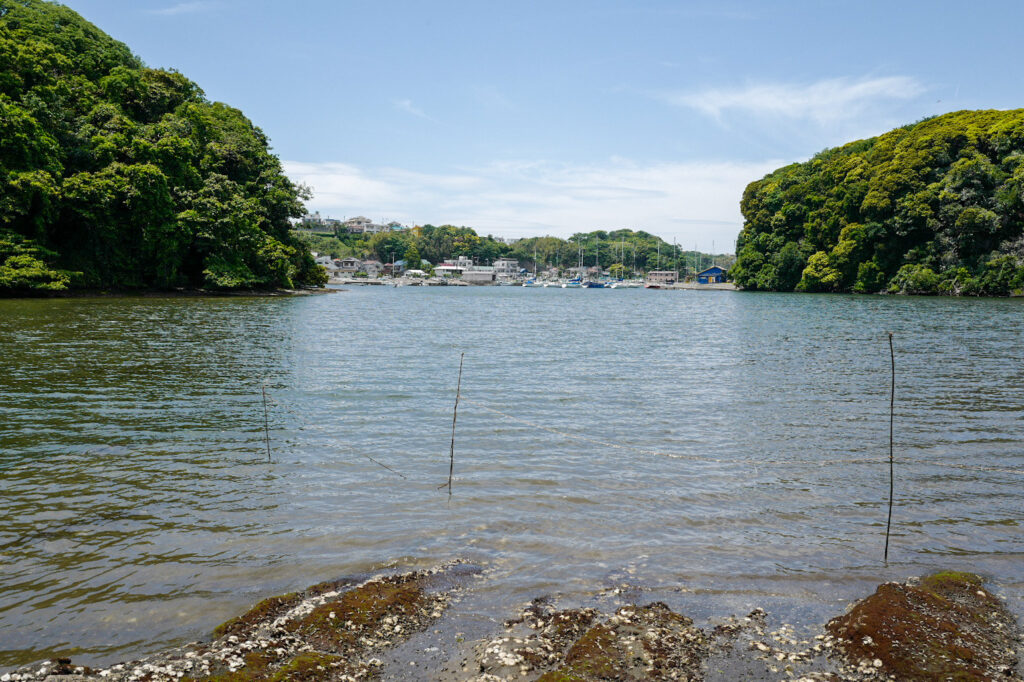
(455, 415)
(266, 419)
(892, 402)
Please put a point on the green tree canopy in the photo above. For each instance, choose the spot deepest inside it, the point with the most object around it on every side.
(933, 207)
(113, 174)
(412, 258)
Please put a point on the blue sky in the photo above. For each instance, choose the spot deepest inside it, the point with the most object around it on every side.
(528, 118)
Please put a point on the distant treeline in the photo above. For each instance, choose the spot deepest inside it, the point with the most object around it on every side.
(117, 175)
(636, 251)
(933, 207)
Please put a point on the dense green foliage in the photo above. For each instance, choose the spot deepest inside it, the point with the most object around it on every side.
(934, 207)
(631, 251)
(113, 174)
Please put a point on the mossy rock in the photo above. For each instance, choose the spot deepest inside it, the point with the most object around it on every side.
(261, 667)
(560, 676)
(948, 626)
(311, 666)
(263, 612)
(342, 624)
(256, 669)
(272, 607)
(567, 626)
(638, 643)
(557, 631)
(597, 655)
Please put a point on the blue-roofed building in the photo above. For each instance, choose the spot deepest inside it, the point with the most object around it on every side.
(713, 275)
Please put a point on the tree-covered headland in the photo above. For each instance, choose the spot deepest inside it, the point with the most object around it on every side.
(936, 207)
(116, 175)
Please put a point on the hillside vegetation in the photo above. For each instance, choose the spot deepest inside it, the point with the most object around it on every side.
(113, 174)
(934, 207)
(625, 252)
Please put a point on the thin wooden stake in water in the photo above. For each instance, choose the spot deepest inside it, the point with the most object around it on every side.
(892, 402)
(455, 415)
(383, 465)
(266, 420)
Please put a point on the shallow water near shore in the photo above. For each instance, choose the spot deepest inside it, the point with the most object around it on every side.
(729, 448)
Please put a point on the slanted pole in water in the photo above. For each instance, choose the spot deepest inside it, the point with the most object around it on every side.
(266, 419)
(455, 415)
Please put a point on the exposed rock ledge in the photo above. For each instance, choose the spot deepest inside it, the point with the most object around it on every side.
(946, 626)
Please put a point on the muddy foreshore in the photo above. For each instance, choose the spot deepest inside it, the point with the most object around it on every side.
(946, 626)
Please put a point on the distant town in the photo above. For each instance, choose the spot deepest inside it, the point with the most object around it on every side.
(465, 270)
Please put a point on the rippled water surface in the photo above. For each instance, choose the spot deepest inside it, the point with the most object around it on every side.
(731, 444)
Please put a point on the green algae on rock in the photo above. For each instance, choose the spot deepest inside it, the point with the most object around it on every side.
(947, 626)
(326, 632)
(269, 608)
(323, 633)
(368, 615)
(637, 643)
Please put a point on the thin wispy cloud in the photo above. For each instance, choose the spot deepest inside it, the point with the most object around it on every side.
(823, 102)
(692, 202)
(183, 8)
(407, 106)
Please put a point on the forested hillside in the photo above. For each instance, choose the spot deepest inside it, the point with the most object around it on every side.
(113, 174)
(625, 251)
(934, 207)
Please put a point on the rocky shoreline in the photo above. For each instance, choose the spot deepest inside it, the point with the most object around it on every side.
(946, 626)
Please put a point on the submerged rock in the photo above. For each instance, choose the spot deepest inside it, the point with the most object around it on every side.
(947, 626)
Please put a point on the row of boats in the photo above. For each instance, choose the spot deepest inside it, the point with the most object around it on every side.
(577, 284)
(545, 284)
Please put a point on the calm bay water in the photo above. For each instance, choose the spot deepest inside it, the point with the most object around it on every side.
(731, 444)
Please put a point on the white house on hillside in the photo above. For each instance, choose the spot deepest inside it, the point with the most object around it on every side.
(506, 268)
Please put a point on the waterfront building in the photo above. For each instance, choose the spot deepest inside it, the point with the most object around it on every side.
(713, 275)
(453, 268)
(663, 277)
(326, 262)
(506, 268)
(372, 268)
(480, 274)
(350, 265)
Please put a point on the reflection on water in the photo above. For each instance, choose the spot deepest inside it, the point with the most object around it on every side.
(747, 457)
